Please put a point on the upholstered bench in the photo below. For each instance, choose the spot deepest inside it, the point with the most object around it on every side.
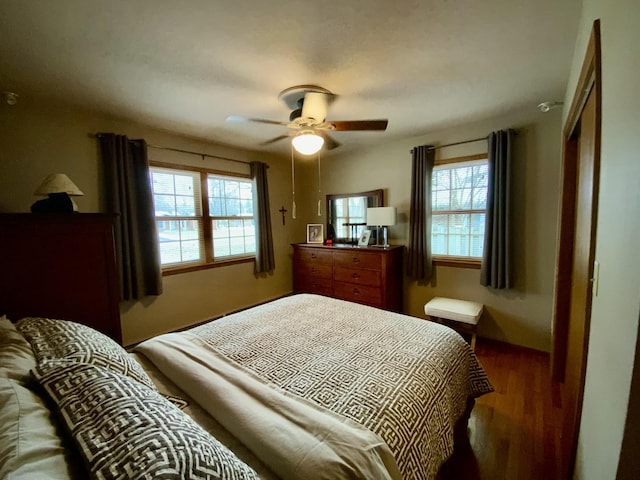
(461, 315)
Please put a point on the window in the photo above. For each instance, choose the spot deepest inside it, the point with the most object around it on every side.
(202, 217)
(459, 202)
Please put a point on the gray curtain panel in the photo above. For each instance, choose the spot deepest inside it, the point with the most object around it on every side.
(419, 264)
(129, 196)
(265, 260)
(496, 260)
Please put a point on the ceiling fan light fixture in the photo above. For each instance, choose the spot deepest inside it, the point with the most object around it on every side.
(307, 143)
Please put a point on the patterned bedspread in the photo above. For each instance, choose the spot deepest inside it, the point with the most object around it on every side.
(404, 378)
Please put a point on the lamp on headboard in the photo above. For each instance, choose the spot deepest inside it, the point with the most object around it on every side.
(59, 188)
(382, 217)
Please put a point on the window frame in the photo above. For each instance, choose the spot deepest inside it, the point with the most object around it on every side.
(209, 260)
(453, 260)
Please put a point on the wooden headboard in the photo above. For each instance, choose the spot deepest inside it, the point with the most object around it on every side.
(60, 266)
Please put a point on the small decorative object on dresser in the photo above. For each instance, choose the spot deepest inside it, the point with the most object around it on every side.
(314, 233)
(371, 276)
(363, 241)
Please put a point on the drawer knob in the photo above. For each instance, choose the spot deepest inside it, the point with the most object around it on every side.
(356, 260)
(313, 255)
(313, 269)
(355, 276)
(356, 291)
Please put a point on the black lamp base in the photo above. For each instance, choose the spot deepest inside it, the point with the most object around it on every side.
(54, 203)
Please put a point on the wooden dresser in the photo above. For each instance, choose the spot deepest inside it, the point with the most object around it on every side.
(60, 266)
(372, 276)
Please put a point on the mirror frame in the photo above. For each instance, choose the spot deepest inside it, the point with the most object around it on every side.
(378, 201)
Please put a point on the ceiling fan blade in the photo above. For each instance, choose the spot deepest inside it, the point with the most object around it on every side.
(329, 142)
(344, 125)
(276, 139)
(240, 119)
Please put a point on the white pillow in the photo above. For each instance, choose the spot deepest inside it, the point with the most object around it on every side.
(16, 356)
(30, 443)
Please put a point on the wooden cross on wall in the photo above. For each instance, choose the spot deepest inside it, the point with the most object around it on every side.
(283, 211)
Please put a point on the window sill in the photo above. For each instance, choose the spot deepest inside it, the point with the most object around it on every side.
(205, 266)
(459, 262)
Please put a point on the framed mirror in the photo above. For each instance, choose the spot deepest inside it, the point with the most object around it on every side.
(347, 214)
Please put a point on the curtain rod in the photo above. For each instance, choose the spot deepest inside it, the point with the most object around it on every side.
(514, 131)
(158, 147)
(452, 144)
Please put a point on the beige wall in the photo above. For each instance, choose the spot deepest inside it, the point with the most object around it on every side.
(521, 315)
(38, 138)
(616, 306)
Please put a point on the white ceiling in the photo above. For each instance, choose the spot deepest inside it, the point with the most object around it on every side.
(186, 65)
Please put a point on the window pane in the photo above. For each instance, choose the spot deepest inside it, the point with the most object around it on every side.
(459, 224)
(246, 191)
(479, 198)
(217, 207)
(441, 180)
(481, 175)
(220, 229)
(169, 252)
(231, 189)
(233, 207)
(162, 182)
(184, 185)
(185, 206)
(246, 208)
(221, 247)
(439, 230)
(190, 251)
(164, 205)
(459, 245)
(215, 187)
(440, 200)
(461, 177)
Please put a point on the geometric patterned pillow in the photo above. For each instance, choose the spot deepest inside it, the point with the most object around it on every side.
(125, 430)
(64, 339)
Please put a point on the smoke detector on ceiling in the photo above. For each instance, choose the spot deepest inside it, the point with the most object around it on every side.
(544, 107)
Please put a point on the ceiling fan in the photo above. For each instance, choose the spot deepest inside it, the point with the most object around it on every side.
(307, 123)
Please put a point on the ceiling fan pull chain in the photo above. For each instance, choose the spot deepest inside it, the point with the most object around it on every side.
(319, 189)
(293, 184)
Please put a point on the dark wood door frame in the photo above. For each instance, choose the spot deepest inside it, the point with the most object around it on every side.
(588, 82)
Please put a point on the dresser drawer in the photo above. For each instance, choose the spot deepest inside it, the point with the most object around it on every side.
(358, 293)
(357, 276)
(314, 269)
(313, 255)
(310, 284)
(357, 259)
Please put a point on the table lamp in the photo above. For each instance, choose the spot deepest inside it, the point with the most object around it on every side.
(381, 217)
(59, 189)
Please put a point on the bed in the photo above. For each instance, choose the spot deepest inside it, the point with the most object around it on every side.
(301, 387)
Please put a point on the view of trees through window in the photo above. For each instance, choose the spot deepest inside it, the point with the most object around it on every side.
(178, 202)
(459, 202)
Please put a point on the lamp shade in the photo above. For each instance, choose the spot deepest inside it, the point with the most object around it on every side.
(381, 216)
(58, 183)
(307, 143)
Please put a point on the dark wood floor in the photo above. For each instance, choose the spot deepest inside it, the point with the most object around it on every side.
(514, 432)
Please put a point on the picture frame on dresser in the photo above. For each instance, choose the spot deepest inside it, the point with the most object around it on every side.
(365, 236)
(315, 233)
